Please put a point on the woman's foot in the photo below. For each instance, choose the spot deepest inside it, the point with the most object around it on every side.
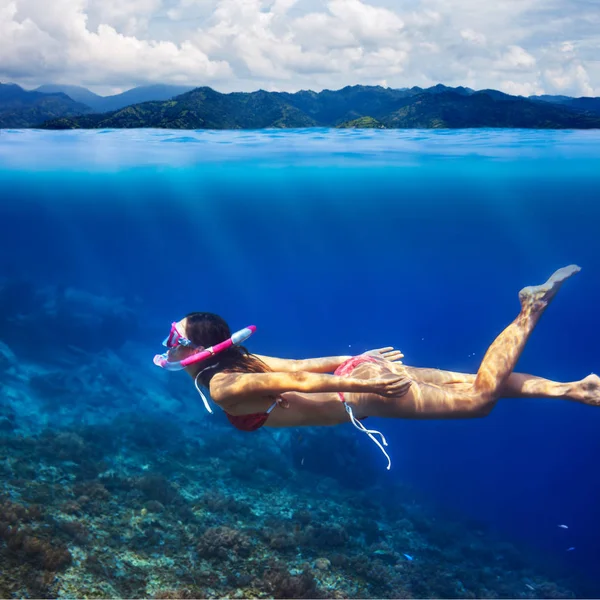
(537, 297)
(587, 390)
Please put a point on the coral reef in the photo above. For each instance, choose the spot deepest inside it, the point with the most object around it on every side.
(32, 550)
(122, 520)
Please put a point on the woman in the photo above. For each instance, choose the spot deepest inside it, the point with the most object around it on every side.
(257, 391)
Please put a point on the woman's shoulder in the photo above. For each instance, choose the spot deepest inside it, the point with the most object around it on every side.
(230, 384)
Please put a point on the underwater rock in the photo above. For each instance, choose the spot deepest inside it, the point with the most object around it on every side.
(158, 488)
(175, 595)
(89, 389)
(223, 543)
(7, 358)
(8, 418)
(346, 453)
(27, 546)
(61, 318)
(180, 531)
(322, 564)
(282, 584)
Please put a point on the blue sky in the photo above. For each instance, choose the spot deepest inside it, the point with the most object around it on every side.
(518, 46)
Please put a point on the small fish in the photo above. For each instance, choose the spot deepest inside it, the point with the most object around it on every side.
(530, 587)
(564, 526)
(571, 548)
(409, 557)
(302, 462)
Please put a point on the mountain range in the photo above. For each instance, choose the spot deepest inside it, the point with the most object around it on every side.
(19, 108)
(72, 107)
(22, 108)
(103, 104)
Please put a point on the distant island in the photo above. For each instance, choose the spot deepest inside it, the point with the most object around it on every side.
(172, 107)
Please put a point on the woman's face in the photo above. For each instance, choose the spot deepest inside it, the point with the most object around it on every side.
(181, 352)
(182, 326)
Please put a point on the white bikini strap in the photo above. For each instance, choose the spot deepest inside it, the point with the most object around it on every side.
(204, 399)
(369, 432)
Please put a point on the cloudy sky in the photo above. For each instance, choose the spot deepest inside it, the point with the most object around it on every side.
(518, 46)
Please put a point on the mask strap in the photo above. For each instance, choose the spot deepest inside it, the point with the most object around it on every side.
(204, 399)
(369, 432)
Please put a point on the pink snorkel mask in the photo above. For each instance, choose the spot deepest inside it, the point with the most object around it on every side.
(175, 339)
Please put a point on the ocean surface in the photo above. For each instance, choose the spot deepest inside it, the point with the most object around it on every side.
(115, 480)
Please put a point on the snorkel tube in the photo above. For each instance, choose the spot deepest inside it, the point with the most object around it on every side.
(162, 360)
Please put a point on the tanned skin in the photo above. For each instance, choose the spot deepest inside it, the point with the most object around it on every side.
(308, 394)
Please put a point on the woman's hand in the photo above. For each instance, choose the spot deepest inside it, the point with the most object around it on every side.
(390, 386)
(387, 353)
(282, 402)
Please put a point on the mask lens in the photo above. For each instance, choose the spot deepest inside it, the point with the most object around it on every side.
(175, 339)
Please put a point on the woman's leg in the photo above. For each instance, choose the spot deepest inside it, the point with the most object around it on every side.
(479, 397)
(518, 385)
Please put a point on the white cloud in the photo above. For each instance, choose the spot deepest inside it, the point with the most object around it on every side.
(54, 42)
(522, 88)
(368, 23)
(572, 79)
(472, 36)
(130, 17)
(317, 29)
(567, 47)
(515, 58)
(519, 46)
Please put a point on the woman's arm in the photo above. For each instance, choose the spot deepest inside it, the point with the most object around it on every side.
(225, 387)
(328, 364)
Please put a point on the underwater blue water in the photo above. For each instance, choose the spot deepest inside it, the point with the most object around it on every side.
(333, 242)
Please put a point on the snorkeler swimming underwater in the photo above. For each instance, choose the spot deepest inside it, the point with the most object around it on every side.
(256, 391)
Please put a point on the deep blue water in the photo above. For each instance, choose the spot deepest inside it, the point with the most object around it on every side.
(333, 242)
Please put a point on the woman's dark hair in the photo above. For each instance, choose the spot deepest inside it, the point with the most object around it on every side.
(207, 329)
